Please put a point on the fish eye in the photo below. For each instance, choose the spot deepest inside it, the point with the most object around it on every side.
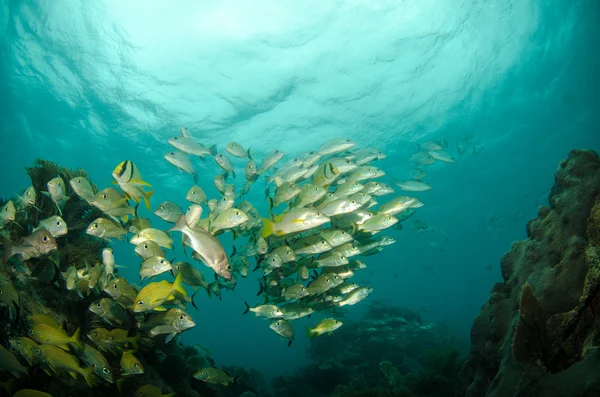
(96, 225)
(146, 246)
(181, 317)
(31, 332)
(57, 223)
(175, 138)
(58, 183)
(45, 238)
(98, 304)
(115, 286)
(172, 153)
(162, 207)
(44, 268)
(38, 351)
(105, 371)
(162, 262)
(237, 212)
(135, 365)
(104, 196)
(288, 252)
(228, 267)
(140, 303)
(18, 343)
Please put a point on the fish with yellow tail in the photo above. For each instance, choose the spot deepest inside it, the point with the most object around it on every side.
(128, 177)
(154, 295)
(60, 361)
(215, 376)
(294, 221)
(325, 326)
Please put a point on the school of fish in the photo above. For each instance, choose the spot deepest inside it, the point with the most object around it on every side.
(327, 209)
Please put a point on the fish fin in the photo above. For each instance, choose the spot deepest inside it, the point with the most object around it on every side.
(235, 380)
(147, 199)
(87, 375)
(178, 286)
(233, 174)
(139, 182)
(7, 247)
(210, 288)
(179, 226)
(169, 337)
(184, 132)
(160, 309)
(134, 343)
(213, 150)
(73, 374)
(268, 228)
(192, 299)
(233, 251)
(309, 333)
(247, 308)
(137, 206)
(46, 194)
(249, 154)
(290, 342)
(195, 175)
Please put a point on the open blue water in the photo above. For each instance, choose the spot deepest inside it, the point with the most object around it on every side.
(88, 84)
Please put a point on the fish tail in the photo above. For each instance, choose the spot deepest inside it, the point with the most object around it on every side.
(146, 200)
(178, 285)
(268, 228)
(235, 380)
(75, 338)
(309, 333)
(213, 150)
(211, 288)
(247, 308)
(134, 343)
(137, 206)
(233, 174)
(249, 154)
(179, 226)
(195, 175)
(8, 248)
(87, 375)
(192, 299)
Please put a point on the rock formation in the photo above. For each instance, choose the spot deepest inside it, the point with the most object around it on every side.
(538, 333)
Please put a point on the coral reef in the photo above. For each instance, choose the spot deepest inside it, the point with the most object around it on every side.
(26, 290)
(390, 352)
(538, 334)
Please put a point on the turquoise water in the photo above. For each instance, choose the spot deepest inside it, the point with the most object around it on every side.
(89, 84)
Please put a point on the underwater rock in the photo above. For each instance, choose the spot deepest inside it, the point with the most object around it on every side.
(537, 334)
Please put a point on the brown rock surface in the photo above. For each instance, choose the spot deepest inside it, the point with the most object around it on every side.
(538, 333)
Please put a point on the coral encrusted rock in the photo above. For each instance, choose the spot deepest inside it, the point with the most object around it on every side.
(538, 333)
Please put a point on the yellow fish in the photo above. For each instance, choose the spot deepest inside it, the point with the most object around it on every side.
(59, 360)
(128, 177)
(153, 295)
(55, 336)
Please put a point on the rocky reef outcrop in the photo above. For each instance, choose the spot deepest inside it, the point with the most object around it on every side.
(539, 333)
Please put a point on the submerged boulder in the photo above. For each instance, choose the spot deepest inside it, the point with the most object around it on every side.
(537, 334)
